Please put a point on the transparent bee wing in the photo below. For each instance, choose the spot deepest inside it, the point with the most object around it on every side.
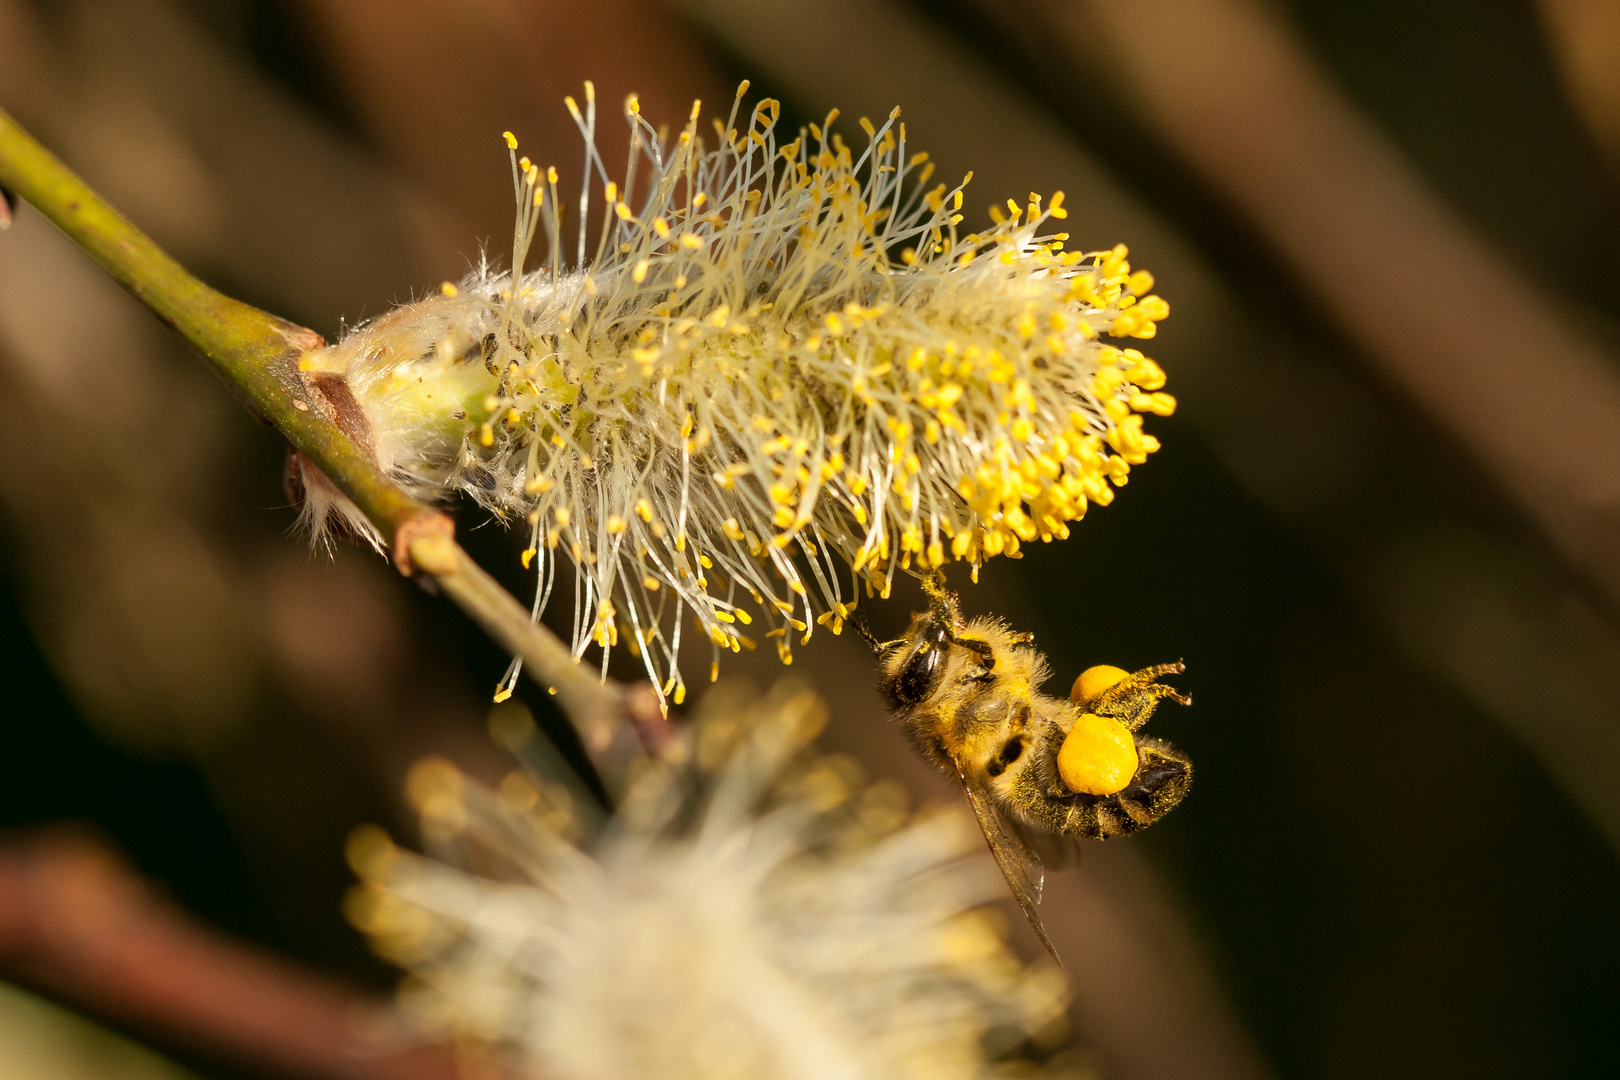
(1047, 850)
(1023, 871)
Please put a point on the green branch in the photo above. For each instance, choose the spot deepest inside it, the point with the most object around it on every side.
(258, 354)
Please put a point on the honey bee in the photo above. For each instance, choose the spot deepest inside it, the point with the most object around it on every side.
(1039, 773)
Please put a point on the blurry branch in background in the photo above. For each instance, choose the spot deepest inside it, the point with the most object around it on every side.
(1481, 346)
(233, 176)
(258, 354)
(431, 81)
(75, 922)
(1585, 34)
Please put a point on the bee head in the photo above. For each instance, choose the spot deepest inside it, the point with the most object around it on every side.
(912, 667)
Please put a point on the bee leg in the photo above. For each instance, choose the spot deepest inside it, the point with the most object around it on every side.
(858, 621)
(1133, 699)
(942, 605)
(987, 654)
(1162, 780)
(1148, 674)
(941, 601)
(864, 629)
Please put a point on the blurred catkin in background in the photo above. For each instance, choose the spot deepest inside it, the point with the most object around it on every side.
(1383, 530)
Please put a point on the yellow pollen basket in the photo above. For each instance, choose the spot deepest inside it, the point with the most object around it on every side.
(1094, 682)
(1098, 757)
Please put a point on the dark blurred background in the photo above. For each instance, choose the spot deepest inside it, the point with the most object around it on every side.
(1384, 530)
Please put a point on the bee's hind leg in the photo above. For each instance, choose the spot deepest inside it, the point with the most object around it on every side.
(1132, 700)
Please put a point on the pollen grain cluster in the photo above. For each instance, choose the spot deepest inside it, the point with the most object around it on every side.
(783, 369)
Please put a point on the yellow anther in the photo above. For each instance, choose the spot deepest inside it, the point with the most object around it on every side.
(1146, 374)
(511, 140)
(448, 288)
(1160, 404)
(1115, 262)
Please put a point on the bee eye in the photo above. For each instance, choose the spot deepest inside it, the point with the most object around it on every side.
(916, 678)
(919, 673)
